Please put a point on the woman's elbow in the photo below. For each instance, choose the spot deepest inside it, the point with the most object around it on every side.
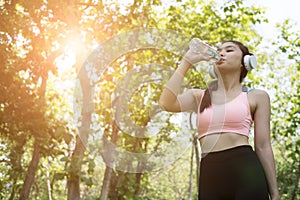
(167, 106)
(162, 104)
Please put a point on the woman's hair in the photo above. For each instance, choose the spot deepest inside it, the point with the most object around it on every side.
(206, 100)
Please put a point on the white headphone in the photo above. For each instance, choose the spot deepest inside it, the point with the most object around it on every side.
(250, 63)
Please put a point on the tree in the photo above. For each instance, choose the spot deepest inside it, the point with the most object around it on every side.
(32, 122)
(28, 57)
(280, 77)
(134, 144)
(287, 126)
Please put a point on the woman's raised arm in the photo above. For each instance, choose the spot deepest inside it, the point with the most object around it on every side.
(170, 99)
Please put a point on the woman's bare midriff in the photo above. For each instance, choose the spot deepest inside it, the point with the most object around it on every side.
(222, 141)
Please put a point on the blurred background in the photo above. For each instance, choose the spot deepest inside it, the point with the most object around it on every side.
(57, 128)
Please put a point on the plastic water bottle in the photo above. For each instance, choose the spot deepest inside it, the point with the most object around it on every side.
(198, 46)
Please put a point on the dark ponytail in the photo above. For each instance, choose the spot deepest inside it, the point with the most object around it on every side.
(206, 100)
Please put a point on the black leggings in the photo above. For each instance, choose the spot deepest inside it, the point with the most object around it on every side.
(232, 174)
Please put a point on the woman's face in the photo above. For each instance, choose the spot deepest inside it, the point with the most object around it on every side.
(231, 56)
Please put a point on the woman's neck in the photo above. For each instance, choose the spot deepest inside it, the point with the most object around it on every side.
(229, 84)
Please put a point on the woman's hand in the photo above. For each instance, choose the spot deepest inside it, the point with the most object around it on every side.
(195, 57)
(275, 196)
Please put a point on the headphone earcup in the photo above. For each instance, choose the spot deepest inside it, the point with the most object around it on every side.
(212, 72)
(250, 62)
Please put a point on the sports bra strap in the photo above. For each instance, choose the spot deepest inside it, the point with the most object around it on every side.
(245, 89)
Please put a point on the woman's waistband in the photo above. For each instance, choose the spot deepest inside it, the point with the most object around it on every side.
(227, 153)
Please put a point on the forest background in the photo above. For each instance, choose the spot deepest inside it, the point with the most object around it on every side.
(79, 85)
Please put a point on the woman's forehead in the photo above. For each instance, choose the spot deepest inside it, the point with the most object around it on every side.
(226, 45)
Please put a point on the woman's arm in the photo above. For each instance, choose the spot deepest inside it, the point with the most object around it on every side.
(170, 99)
(262, 140)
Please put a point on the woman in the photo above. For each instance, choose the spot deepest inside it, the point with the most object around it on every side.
(230, 169)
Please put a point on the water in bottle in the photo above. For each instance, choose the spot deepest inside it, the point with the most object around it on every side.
(198, 46)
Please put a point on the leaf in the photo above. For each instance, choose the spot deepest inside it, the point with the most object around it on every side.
(59, 176)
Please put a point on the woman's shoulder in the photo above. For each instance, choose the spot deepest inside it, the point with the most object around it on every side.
(258, 95)
(258, 92)
(258, 98)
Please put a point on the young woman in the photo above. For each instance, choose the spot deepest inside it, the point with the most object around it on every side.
(229, 169)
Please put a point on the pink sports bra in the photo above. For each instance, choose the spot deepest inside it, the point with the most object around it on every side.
(233, 116)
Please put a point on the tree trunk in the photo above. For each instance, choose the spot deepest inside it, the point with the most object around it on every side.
(137, 186)
(74, 180)
(73, 183)
(108, 154)
(106, 183)
(36, 149)
(31, 172)
(140, 172)
(108, 157)
(294, 194)
(49, 189)
(13, 191)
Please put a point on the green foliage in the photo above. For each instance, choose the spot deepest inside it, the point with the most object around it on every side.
(288, 128)
(214, 24)
(280, 76)
(35, 35)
